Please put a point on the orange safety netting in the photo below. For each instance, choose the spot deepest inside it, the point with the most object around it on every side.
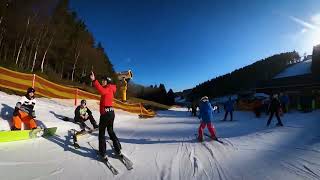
(21, 81)
(246, 106)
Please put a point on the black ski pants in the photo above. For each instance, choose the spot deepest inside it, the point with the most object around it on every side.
(106, 121)
(82, 124)
(226, 114)
(271, 116)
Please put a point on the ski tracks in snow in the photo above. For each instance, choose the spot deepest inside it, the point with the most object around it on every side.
(194, 160)
(195, 163)
(215, 164)
(184, 164)
(53, 173)
(177, 167)
(302, 168)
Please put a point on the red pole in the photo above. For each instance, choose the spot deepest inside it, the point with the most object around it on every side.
(33, 80)
(76, 97)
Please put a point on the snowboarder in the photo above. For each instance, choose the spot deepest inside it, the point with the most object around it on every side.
(83, 113)
(274, 108)
(24, 111)
(107, 91)
(228, 107)
(206, 116)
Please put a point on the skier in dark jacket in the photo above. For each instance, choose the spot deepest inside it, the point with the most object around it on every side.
(107, 91)
(274, 108)
(194, 109)
(228, 107)
(82, 113)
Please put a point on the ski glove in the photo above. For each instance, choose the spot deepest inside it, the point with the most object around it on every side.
(16, 111)
(18, 105)
(33, 114)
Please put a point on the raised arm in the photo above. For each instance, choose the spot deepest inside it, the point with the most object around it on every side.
(96, 83)
(98, 86)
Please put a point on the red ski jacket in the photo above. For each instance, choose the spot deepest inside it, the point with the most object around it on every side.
(107, 93)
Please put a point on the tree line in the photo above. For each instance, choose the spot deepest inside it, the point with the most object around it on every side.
(245, 78)
(47, 38)
(153, 93)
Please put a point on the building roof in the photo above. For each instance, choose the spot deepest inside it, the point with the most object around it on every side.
(301, 68)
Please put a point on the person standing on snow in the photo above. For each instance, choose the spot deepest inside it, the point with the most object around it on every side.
(284, 100)
(83, 113)
(228, 107)
(274, 108)
(24, 111)
(206, 116)
(107, 91)
(194, 109)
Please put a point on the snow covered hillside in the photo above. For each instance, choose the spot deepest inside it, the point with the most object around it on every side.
(165, 147)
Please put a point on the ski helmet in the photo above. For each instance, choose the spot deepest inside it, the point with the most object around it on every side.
(83, 101)
(108, 79)
(204, 98)
(30, 89)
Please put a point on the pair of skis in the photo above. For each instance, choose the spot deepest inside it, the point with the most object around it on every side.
(123, 158)
(205, 134)
(105, 161)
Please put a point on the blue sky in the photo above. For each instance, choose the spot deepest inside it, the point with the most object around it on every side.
(182, 43)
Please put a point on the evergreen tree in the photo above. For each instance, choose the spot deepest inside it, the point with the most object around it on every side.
(47, 38)
(170, 96)
(244, 78)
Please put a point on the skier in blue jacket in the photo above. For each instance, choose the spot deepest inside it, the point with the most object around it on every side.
(206, 116)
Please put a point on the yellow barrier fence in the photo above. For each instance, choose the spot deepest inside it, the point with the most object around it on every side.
(21, 81)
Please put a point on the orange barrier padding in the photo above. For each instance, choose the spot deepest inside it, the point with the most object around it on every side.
(18, 81)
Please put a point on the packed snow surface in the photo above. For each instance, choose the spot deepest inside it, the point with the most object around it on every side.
(165, 147)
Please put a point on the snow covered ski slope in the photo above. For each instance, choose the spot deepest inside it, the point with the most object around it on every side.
(165, 147)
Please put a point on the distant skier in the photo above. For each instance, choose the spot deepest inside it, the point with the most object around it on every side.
(189, 108)
(107, 91)
(274, 108)
(82, 113)
(24, 111)
(228, 107)
(206, 116)
(194, 109)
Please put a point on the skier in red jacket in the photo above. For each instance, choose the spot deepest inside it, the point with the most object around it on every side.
(107, 91)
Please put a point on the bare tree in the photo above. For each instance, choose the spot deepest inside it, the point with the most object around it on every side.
(76, 56)
(45, 53)
(31, 52)
(22, 41)
(37, 48)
